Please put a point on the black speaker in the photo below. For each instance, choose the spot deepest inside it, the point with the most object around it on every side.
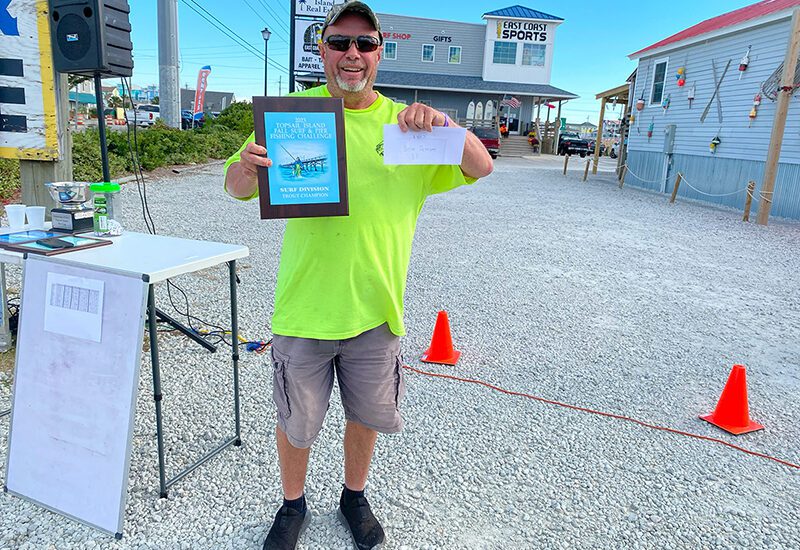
(91, 36)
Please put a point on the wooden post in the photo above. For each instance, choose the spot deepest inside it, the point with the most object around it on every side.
(675, 189)
(748, 202)
(586, 171)
(33, 174)
(779, 123)
(566, 161)
(622, 178)
(557, 133)
(599, 135)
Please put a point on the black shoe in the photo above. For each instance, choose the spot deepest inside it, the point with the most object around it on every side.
(356, 515)
(289, 524)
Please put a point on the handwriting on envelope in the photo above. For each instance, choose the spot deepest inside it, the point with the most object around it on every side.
(441, 146)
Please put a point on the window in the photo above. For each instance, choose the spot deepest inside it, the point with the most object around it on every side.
(427, 53)
(505, 53)
(479, 111)
(471, 110)
(390, 50)
(659, 75)
(455, 55)
(533, 54)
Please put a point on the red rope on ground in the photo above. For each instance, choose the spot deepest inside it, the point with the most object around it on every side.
(601, 413)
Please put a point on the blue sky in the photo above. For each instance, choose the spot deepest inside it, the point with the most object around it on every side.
(591, 45)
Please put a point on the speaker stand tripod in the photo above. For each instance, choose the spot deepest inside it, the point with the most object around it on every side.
(101, 126)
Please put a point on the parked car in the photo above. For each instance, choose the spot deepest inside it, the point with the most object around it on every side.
(571, 143)
(144, 115)
(490, 137)
(186, 119)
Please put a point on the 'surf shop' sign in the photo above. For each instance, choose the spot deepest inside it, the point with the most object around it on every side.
(396, 36)
(523, 31)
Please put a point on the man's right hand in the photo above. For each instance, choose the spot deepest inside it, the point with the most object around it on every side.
(241, 180)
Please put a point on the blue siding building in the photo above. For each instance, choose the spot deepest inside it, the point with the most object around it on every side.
(675, 87)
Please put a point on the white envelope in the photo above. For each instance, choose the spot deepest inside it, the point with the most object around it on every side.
(441, 146)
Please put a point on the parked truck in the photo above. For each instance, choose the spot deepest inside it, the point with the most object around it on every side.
(144, 115)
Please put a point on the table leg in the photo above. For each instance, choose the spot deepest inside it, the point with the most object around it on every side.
(235, 351)
(5, 330)
(153, 331)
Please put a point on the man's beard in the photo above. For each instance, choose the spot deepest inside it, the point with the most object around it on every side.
(354, 87)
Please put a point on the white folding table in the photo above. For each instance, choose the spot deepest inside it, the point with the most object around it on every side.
(156, 258)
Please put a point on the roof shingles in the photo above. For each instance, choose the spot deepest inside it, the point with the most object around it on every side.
(521, 12)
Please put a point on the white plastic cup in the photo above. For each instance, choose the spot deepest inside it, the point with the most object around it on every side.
(16, 215)
(35, 215)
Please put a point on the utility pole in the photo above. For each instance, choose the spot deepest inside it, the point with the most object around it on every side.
(779, 123)
(168, 63)
(280, 88)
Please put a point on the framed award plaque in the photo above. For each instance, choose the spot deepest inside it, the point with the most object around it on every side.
(304, 138)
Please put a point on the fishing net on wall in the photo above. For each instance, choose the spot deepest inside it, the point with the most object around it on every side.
(772, 85)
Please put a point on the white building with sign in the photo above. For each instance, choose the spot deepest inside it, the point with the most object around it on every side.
(471, 71)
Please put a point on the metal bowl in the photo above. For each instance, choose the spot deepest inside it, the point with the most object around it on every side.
(71, 194)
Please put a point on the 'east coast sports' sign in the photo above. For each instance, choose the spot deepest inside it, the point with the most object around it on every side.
(524, 31)
(28, 127)
(314, 8)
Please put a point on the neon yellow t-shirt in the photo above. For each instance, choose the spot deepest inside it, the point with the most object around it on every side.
(341, 276)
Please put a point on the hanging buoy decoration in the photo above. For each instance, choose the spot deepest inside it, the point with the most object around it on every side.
(754, 111)
(650, 129)
(744, 62)
(665, 103)
(681, 76)
(690, 95)
(713, 145)
(640, 104)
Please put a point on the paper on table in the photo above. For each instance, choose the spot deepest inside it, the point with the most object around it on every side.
(441, 146)
(74, 306)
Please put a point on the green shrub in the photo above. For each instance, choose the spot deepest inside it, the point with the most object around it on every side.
(237, 117)
(157, 146)
(9, 178)
(87, 165)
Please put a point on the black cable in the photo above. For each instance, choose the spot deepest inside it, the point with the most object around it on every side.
(132, 155)
(133, 149)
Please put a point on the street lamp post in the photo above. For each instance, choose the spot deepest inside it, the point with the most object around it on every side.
(265, 34)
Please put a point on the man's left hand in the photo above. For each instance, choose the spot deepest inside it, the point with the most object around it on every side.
(418, 117)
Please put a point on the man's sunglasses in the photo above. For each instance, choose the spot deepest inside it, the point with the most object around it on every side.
(363, 43)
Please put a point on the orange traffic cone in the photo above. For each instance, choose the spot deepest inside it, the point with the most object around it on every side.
(733, 413)
(441, 349)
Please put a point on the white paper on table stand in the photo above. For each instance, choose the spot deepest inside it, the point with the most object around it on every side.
(74, 306)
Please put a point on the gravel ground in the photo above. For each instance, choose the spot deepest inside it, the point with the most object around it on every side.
(582, 293)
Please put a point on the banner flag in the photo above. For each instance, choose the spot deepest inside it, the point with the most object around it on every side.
(200, 91)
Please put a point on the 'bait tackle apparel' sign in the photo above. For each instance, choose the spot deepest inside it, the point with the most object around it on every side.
(314, 8)
(306, 46)
(28, 126)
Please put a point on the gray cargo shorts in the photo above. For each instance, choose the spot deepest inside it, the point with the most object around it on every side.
(368, 367)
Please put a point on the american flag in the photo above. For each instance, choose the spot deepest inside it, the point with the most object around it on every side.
(512, 102)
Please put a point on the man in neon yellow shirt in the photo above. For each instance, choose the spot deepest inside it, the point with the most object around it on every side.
(341, 280)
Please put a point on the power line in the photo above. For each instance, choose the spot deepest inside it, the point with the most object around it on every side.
(230, 34)
(275, 15)
(241, 40)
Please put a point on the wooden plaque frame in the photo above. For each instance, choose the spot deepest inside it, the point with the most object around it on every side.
(263, 105)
